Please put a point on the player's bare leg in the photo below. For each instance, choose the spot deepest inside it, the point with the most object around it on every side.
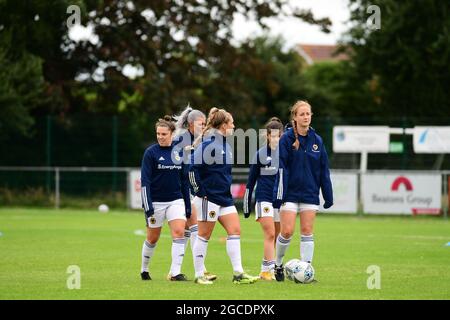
(277, 232)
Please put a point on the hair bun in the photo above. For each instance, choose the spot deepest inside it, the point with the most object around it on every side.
(168, 118)
(213, 110)
(275, 119)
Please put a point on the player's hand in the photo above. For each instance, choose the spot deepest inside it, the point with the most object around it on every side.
(277, 204)
(327, 204)
(201, 194)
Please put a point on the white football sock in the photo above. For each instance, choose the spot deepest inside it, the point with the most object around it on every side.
(187, 236)
(193, 236)
(200, 249)
(234, 252)
(281, 247)
(147, 253)
(177, 256)
(267, 265)
(307, 248)
(194, 233)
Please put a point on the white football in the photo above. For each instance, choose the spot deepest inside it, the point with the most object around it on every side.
(299, 271)
(103, 208)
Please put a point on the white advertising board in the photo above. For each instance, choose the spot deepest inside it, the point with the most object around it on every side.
(401, 194)
(345, 193)
(356, 139)
(431, 139)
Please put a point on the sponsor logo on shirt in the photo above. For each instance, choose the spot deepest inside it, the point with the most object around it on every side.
(172, 167)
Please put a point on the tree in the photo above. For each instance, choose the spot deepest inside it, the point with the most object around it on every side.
(407, 61)
(21, 90)
(335, 90)
(275, 82)
(184, 49)
(39, 28)
(37, 74)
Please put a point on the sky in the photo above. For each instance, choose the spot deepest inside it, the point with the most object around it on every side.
(295, 31)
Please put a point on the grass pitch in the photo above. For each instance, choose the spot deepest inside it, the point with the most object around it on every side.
(38, 245)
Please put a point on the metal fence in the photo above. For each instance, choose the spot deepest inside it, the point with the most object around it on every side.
(64, 186)
(113, 141)
(87, 187)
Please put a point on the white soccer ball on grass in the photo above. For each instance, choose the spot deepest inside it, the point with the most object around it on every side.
(299, 271)
(103, 208)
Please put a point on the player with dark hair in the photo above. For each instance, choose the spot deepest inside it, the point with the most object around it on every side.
(165, 196)
(263, 170)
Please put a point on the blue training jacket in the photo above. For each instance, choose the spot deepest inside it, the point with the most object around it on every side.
(210, 170)
(184, 142)
(263, 171)
(304, 171)
(164, 177)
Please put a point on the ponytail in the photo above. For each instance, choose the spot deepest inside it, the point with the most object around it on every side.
(296, 144)
(182, 120)
(200, 137)
(216, 118)
(187, 116)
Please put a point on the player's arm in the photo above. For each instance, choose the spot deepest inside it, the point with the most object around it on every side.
(251, 181)
(194, 172)
(281, 181)
(325, 180)
(146, 175)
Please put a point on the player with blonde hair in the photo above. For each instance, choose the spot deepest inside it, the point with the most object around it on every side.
(210, 177)
(303, 171)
